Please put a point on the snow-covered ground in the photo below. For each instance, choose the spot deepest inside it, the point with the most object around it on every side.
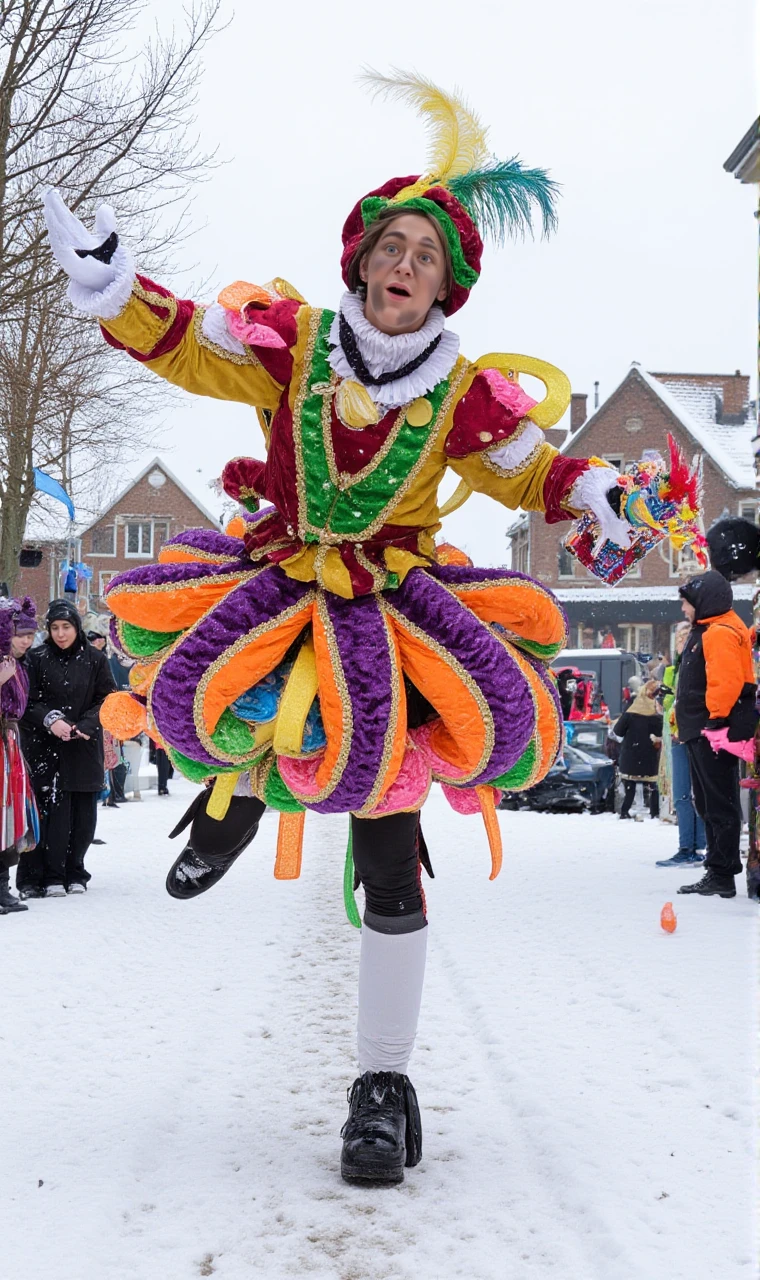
(174, 1073)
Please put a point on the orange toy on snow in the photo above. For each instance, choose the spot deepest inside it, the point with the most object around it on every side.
(668, 918)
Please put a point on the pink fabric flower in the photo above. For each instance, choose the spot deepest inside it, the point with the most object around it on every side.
(510, 394)
(252, 334)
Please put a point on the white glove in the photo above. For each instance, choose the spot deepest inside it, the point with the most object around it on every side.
(98, 288)
(590, 493)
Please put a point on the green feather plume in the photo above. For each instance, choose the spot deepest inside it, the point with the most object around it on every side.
(500, 198)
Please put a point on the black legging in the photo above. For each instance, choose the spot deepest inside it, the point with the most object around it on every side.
(387, 861)
(651, 797)
(386, 851)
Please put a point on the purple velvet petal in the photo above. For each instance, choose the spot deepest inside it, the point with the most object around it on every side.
(455, 627)
(151, 575)
(366, 654)
(250, 605)
(209, 540)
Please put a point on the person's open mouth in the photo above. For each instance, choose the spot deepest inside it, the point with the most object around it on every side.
(399, 291)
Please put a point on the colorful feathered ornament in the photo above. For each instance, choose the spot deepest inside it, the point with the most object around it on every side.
(661, 500)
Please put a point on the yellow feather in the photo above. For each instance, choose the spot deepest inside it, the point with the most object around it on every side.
(457, 140)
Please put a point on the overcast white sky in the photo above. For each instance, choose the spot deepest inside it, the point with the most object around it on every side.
(632, 104)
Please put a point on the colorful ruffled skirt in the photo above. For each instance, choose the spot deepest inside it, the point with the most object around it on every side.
(241, 670)
(19, 820)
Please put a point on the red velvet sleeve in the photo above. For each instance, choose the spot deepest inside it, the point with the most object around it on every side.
(560, 479)
(488, 414)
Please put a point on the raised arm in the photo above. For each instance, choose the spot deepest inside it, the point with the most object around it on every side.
(189, 345)
(496, 447)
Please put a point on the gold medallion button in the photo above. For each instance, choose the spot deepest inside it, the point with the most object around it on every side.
(420, 412)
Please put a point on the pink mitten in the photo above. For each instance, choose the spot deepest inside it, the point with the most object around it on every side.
(718, 738)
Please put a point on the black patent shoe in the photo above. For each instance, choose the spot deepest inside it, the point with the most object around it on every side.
(712, 885)
(213, 845)
(383, 1132)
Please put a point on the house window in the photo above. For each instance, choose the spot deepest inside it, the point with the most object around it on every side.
(103, 580)
(104, 540)
(138, 538)
(682, 562)
(565, 562)
(520, 546)
(636, 637)
(617, 463)
(748, 511)
(160, 534)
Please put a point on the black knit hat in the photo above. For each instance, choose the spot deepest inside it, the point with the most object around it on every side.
(64, 611)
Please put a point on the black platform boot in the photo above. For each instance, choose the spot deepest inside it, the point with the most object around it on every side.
(383, 1132)
(213, 846)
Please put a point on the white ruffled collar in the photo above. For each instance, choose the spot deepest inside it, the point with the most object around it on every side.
(384, 352)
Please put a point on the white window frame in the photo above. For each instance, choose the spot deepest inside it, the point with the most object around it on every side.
(104, 577)
(112, 554)
(624, 628)
(565, 577)
(743, 505)
(680, 567)
(138, 555)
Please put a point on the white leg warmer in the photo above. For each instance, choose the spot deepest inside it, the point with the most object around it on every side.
(391, 974)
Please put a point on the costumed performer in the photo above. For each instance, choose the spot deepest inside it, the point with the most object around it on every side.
(19, 822)
(318, 655)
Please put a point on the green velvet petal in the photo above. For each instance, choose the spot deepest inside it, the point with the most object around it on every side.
(279, 796)
(139, 642)
(516, 777)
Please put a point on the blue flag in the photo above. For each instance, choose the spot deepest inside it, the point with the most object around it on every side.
(46, 484)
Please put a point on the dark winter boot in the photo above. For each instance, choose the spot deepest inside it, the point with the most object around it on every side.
(383, 1132)
(213, 846)
(8, 901)
(753, 883)
(712, 883)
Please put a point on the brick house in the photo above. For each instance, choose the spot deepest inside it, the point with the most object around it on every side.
(153, 507)
(709, 415)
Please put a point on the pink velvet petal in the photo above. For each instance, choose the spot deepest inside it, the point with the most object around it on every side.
(440, 767)
(465, 801)
(410, 789)
(510, 394)
(300, 775)
(254, 335)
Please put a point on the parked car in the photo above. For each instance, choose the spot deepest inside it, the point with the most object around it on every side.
(554, 794)
(593, 775)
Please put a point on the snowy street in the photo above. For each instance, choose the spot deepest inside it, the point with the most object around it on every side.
(175, 1073)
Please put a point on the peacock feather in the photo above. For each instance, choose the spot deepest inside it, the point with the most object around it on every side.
(457, 140)
(498, 195)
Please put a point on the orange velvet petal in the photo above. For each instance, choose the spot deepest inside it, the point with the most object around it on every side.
(330, 701)
(236, 527)
(141, 676)
(122, 716)
(460, 737)
(177, 554)
(245, 668)
(171, 607)
(519, 606)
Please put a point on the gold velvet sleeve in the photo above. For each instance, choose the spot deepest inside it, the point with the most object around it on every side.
(523, 489)
(184, 355)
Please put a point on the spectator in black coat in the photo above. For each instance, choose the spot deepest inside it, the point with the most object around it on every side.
(640, 727)
(63, 743)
